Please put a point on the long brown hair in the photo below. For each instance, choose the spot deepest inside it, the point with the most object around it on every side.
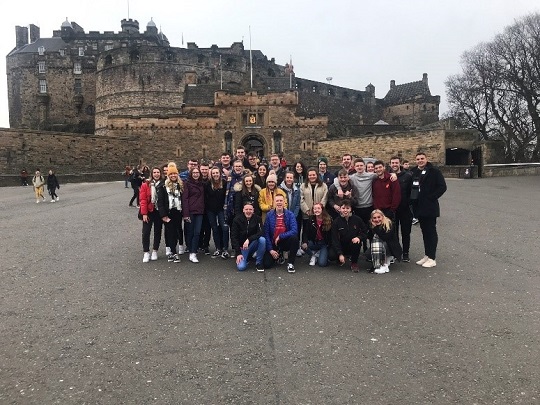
(326, 218)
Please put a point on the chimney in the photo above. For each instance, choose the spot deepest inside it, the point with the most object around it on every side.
(392, 84)
(424, 79)
(34, 33)
(21, 36)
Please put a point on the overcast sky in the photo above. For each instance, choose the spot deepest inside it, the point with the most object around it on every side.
(356, 42)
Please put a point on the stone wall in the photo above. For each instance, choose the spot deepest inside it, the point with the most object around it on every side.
(404, 144)
(63, 152)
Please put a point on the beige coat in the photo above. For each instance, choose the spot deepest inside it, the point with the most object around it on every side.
(306, 201)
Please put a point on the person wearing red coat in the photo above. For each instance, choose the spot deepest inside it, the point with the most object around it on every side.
(386, 193)
(149, 214)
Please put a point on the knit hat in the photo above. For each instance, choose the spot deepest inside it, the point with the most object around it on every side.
(271, 177)
(172, 169)
(323, 159)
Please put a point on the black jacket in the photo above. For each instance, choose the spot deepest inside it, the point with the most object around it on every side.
(243, 229)
(405, 183)
(310, 231)
(214, 199)
(344, 230)
(163, 200)
(431, 187)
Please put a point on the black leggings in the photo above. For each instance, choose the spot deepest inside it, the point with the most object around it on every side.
(173, 230)
(52, 192)
(155, 221)
(135, 196)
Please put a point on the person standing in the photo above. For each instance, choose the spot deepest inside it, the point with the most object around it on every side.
(281, 235)
(293, 202)
(275, 165)
(52, 185)
(386, 193)
(136, 179)
(404, 216)
(148, 196)
(312, 191)
(347, 164)
(193, 211)
(326, 177)
(24, 177)
(347, 192)
(214, 197)
(170, 211)
(206, 229)
(38, 182)
(268, 194)
(428, 185)
(261, 175)
(247, 238)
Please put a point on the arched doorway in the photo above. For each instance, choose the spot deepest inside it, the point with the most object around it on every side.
(254, 143)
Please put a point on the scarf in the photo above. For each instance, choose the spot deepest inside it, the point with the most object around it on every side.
(228, 206)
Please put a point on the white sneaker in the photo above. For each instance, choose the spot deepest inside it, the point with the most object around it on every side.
(313, 260)
(381, 270)
(53, 200)
(37, 201)
(181, 249)
(429, 263)
(146, 257)
(57, 198)
(299, 252)
(168, 251)
(422, 260)
(154, 255)
(193, 258)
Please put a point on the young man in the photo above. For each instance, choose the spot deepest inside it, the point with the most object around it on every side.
(275, 165)
(192, 164)
(253, 162)
(247, 238)
(404, 217)
(281, 234)
(386, 193)
(346, 163)
(241, 155)
(348, 231)
(428, 185)
(224, 164)
(347, 192)
(206, 229)
(293, 202)
(324, 174)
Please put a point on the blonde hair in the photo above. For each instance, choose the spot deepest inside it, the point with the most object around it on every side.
(386, 222)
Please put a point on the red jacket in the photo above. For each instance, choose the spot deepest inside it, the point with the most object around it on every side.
(386, 193)
(145, 199)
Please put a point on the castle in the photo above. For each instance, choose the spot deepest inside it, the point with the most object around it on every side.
(182, 102)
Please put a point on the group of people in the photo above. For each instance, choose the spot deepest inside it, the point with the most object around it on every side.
(39, 182)
(272, 214)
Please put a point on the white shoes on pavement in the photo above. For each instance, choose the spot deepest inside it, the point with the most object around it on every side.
(429, 263)
(422, 260)
(193, 258)
(146, 257)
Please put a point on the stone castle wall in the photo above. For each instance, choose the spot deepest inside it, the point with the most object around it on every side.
(404, 144)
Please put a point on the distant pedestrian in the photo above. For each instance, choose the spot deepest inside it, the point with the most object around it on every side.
(136, 180)
(52, 186)
(428, 185)
(24, 177)
(38, 182)
(127, 172)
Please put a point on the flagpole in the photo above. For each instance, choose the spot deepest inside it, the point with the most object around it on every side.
(221, 73)
(290, 71)
(250, 59)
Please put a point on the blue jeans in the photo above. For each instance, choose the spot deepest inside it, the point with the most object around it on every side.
(258, 246)
(193, 231)
(220, 229)
(322, 247)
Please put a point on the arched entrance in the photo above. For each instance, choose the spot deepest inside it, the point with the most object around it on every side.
(254, 143)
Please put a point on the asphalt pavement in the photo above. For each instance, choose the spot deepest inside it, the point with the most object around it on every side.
(84, 321)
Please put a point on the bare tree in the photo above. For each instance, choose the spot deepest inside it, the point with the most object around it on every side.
(498, 92)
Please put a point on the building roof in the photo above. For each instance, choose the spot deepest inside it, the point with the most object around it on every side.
(407, 91)
(50, 44)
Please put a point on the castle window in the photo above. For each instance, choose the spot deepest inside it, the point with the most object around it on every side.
(277, 141)
(271, 72)
(108, 60)
(228, 142)
(134, 56)
(200, 58)
(81, 51)
(62, 52)
(43, 86)
(314, 89)
(78, 86)
(108, 47)
(41, 66)
(41, 50)
(77, 68)
(331, 92)
(298, 85)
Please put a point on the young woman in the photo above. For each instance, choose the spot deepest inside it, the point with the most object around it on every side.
(170, 211)
(267, 195)
(248, 193)
(384, 242)
(261, 175)
(311, 192)
(300, 173)
(193, 211)
(214, 197)
(317, 236)
(38, 182)
(52, 185)
(148, 196)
